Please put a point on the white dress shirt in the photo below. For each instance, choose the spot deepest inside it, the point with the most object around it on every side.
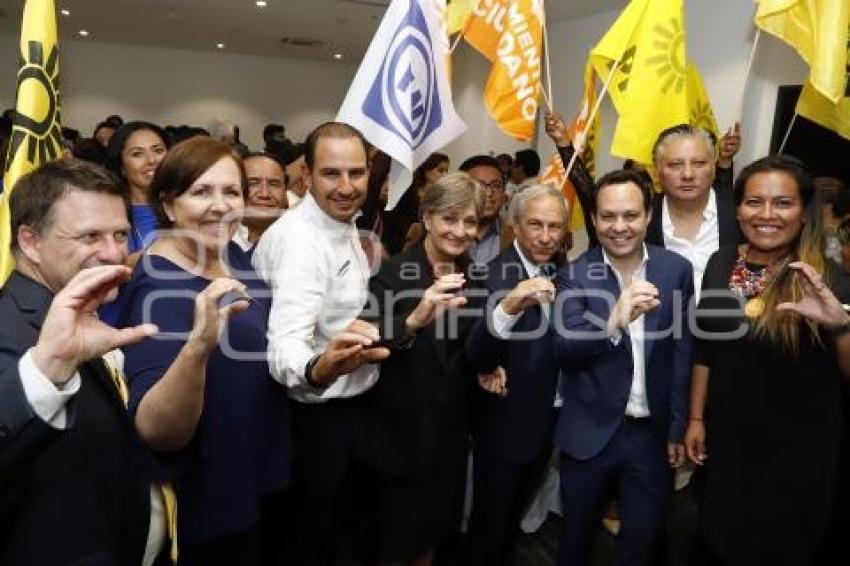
(240, 238)
(698, 251)
(49, 402)
(319, 278)
(638, 403)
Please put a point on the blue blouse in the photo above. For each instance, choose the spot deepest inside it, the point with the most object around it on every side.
(241, 449)
(142, 223)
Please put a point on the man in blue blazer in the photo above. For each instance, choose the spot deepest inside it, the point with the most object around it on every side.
(514, 413)
(624, 347)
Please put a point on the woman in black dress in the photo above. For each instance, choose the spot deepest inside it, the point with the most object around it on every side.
(419, 407)
(765, 403)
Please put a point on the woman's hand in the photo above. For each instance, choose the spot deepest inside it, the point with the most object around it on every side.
(438, 298)
(211, 317)
(695, 442)
(818, 303)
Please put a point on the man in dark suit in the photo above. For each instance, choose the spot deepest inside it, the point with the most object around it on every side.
(514, 409)
(624, 347)
(75, 486)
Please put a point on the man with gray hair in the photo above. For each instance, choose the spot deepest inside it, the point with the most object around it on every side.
(695, 215)
(511, 348)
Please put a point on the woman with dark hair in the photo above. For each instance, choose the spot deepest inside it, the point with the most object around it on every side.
(402, 223)
(134, 152)
(201, 396)
(765, 398)
(419, 434)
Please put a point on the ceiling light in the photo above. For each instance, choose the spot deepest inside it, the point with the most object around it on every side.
(337, 56)
(219, 45)
(83, 33)
(261, 3)
(65, 12)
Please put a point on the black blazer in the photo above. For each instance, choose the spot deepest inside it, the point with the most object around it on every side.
(419, 407)
(518, 427)
(727, 221)
(76, 496)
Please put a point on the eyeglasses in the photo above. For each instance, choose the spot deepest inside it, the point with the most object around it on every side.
(493, 186)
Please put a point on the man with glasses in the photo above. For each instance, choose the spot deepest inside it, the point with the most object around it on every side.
(493, 234)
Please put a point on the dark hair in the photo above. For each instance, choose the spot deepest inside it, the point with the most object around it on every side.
(116, 120)
(785, 163)
(91, 150)
(266, 154)
(479, 161)
(617, 177)
(272, 129)
(114, 151)
(528, 161)
(182, 166)
(338, 130)
(505, 156)
(100, 125)
(431, 162)
(34, 195)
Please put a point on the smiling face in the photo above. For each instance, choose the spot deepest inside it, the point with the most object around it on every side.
(266, 183)
(433, 175)
(339, 177)
(141, 155)
(211, 209)
(686, 168)
(771, 214)
(541, 229)
(621, 220)
(450, 232)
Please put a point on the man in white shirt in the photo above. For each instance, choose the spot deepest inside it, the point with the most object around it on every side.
(75, 487)
(313, 261)
(624, 346)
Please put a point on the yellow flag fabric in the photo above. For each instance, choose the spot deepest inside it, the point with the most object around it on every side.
(36, 135)
(509, 33)
(818, 30)
(458, 14)
(580, 122)
(701, 113)
(819, 109)
(649, 88)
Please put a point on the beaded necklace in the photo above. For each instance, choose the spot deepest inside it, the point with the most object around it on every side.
(751, 283)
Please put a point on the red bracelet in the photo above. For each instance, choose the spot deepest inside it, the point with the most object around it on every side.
(695, 419)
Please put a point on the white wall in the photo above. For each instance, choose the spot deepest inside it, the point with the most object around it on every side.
(719, 39)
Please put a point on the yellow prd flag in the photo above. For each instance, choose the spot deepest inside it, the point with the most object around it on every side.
(649, 89)
(819, 109)
(701, 114)
(818, 30)
(510, 34)
(36, 135)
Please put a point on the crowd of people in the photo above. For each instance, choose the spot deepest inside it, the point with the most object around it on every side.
(216, 356)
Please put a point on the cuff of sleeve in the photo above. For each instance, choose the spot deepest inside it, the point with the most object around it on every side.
(503, 322)
(47, 400)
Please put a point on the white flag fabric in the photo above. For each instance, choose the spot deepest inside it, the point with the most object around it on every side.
(400, 99)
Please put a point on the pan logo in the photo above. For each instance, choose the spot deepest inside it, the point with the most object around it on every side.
(404, 96)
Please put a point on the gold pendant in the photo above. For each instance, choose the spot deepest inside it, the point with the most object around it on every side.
(754, 308)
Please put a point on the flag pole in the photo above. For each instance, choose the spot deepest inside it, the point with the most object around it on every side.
(749, 69)
(548, 65)
(593, 112)
(787, 134)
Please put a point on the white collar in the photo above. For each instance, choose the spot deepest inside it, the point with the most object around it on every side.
(642, 265)
(532, 269)
(708, 213)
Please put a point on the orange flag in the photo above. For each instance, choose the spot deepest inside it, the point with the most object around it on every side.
(509, 33)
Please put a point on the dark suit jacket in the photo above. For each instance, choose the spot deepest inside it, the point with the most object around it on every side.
(76, 496)
(518, 427)
(598, 374)
(727, 221)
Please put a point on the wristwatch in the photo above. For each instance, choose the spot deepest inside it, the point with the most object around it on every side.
(308, 373)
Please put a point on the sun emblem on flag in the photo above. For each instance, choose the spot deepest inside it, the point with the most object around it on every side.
(36, 122)
(702, 116)
(669, 57)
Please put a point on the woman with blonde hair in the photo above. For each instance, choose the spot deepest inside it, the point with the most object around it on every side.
(765, 416)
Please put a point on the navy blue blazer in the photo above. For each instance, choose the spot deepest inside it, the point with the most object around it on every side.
(519, 426)
(598, 374)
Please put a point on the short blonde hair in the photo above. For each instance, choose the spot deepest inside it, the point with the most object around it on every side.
(451, 192)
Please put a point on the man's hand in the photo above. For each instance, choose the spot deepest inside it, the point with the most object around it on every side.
(557, 129)
(730, 143)
(495, 382)
(676, 454)
(636, 299)
(535, 291)
(439, 297)
(72, 333)
(347, 351)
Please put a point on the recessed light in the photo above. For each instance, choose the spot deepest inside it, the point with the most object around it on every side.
(219, 45)
(83, 33)
(65, 12)
(261, 3)
(337, 56)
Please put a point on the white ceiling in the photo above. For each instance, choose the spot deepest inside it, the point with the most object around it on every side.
(340, 26)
